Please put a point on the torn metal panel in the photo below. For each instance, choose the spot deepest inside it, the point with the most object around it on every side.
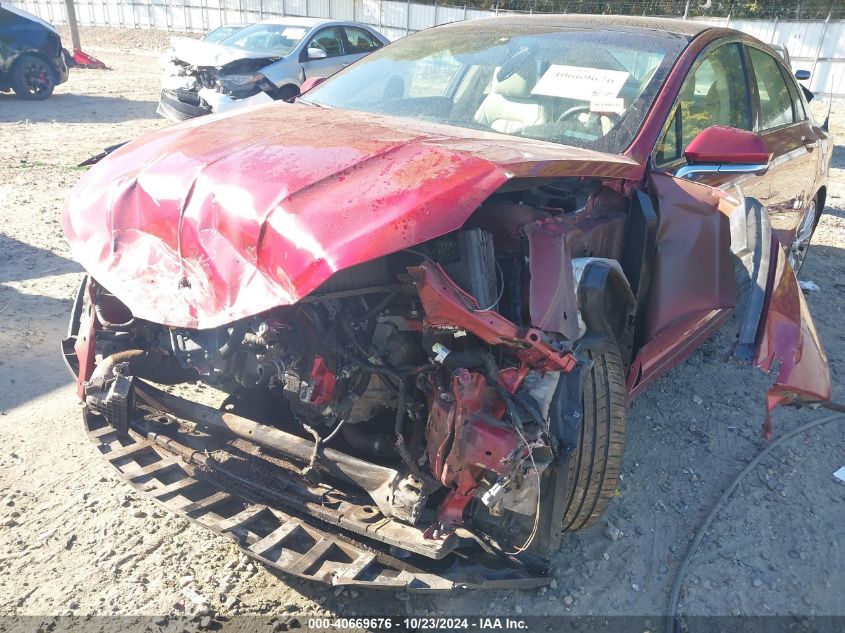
(552, 302)
(446, 305)
(788, 337)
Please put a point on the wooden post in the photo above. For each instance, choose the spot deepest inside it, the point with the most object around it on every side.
(72, 25)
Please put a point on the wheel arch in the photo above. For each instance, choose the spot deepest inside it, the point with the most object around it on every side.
(606, 303)
(279, 92)
(40, 55)
(821, 198)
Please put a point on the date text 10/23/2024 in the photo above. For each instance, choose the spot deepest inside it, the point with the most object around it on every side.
(418, 623)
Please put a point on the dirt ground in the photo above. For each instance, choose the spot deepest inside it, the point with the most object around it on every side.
(74, 539)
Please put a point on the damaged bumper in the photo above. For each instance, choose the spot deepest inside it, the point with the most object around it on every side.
(239, 479)
(219, 102)
(181, 105)
(223, 494)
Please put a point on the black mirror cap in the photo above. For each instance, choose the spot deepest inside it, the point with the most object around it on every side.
(809, 96)
(802, 75)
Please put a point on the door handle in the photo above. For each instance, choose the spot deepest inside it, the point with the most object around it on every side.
(345, 64)
(809, 143)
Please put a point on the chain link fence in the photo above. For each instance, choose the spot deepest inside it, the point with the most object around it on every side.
(757, 9)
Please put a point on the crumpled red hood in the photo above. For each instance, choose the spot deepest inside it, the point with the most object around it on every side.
(226, 217)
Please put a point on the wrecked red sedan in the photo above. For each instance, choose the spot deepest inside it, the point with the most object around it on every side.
(425, 292)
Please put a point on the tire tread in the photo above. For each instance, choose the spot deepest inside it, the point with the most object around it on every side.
(595, 466)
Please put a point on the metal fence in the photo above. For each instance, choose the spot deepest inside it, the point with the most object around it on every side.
(816, 45)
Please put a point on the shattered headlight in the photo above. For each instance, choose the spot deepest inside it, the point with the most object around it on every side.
(238, 84)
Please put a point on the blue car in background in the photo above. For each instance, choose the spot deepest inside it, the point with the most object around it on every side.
(32, 62)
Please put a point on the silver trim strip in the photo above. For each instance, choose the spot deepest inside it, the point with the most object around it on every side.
(689, 171)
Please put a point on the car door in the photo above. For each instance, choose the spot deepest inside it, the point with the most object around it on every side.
(14, 38)
(714, 252)
(358, 43)
(716, 91)
(692, 290)
(329, 40)
(785, 127)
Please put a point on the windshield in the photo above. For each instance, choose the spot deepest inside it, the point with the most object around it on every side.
(278, 39)
(221, 32)
(589, 88)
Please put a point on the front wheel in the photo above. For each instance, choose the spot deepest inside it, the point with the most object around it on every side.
(595, 463)
(32, 78)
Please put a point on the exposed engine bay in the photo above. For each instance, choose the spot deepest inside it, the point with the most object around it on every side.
(443, 363)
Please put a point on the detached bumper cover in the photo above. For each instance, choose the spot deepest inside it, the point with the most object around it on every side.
(275, 535)
(174, 109)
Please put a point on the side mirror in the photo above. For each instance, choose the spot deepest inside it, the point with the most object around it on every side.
(317, 53)
(723, 149)
(310, 83)
(802, 75)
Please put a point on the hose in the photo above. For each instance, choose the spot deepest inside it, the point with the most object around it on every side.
(148, 365)
(429, 483)
(234, 340)
(672, 609)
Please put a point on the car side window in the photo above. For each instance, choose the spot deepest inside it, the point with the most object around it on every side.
(797, 103)
(328, 40)
(775, 98)
(714, 93)
(360, 40)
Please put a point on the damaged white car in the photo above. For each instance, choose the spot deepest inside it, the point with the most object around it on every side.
(259, 63)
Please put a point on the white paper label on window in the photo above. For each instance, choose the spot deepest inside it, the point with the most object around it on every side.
(576, 82)
(615, 105)
(293, 33)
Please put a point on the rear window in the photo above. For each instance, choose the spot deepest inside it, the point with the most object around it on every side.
(775, 98)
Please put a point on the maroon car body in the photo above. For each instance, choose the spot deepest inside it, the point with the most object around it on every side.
(261, 217)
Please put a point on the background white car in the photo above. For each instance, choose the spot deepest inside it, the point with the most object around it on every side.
(258, 63)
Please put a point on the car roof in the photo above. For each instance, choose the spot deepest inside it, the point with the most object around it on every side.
(688, 28)
(304, 22)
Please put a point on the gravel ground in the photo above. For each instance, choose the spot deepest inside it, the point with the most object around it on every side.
(74, 539)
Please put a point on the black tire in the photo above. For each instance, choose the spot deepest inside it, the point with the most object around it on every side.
(287, 93)
(33, 78)
(595, 464)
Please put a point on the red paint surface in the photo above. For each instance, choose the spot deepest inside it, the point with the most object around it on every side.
(84, 345)
(82, 59)
(464, 439)
(324, 381)
(309, 83)
(551, 298)
(789, 336)
(221, 218)
(225, 217)
(723, 144)
(445, 304)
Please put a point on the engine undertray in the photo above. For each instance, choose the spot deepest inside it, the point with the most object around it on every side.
(309, 531)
